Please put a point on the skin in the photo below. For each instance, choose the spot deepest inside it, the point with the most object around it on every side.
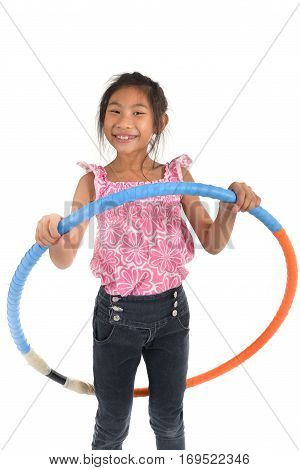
(137, 120)
(215, 234)
(126, 117)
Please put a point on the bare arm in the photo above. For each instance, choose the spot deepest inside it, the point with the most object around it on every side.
(213, 235)
(220, 231)
(198, 217)
(63, 252)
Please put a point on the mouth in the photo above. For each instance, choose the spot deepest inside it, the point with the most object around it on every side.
(124, 138)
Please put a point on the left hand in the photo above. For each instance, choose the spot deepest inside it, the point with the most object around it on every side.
(246, 198)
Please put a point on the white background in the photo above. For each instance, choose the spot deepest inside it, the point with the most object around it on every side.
(230, 71)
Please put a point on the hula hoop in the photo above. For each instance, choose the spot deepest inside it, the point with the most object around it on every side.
(117, 199)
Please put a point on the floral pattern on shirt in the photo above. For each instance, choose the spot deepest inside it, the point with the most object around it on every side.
(141, 247)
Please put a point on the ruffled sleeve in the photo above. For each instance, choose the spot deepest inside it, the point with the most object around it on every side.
(100, 179)
(87, 166)
(176, 163)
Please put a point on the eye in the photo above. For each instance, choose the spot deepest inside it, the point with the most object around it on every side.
(115, 111)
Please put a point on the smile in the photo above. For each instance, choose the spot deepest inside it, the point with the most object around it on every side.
(124, 139)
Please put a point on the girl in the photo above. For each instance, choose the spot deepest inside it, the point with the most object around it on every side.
(140, 253)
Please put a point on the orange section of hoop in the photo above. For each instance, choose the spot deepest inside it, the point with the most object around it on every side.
(291, 284)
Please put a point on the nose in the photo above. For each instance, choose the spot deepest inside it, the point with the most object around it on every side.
(123, 122)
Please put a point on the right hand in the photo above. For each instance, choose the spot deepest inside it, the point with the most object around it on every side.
(46, 231)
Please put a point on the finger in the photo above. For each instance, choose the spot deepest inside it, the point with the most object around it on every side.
(45, 236)
(248, 201)
(38, 238)
(258, 199)
(53, 230)
(253, 203)
(240, 195)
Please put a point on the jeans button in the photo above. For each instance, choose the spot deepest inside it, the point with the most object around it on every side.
(175, 294)
(116, 308)
(116, 317)
(174, 313)
(115, 299)
(175, 304)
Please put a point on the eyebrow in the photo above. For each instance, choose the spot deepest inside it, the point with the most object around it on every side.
(136, 104)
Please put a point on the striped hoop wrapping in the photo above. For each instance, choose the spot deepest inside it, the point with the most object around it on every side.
(117, 199)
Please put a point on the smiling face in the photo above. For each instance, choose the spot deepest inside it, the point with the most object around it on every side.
(129, 113)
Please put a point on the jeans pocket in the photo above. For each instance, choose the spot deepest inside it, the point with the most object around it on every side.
(102, 328)
(184, 320)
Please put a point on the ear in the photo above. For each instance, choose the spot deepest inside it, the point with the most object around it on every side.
(165, 120)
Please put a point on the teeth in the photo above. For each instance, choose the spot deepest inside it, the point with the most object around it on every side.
(124, 137)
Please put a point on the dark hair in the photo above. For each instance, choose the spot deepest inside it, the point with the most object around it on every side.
(154, 94)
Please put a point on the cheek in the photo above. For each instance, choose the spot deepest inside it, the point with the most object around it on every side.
(107, 128)
(107, 122)
(145, 130)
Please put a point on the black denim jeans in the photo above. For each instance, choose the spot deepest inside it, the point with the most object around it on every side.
(124, 329)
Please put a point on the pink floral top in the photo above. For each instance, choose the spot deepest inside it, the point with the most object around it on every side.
(141, 247)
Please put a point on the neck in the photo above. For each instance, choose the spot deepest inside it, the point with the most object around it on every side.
(131, 162)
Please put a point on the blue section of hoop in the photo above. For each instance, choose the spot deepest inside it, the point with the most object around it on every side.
(97, 207)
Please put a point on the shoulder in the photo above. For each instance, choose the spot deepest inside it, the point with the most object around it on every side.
(186, 175)
(94, 178)
(180, 165)
(86, 187)
(184, 161)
